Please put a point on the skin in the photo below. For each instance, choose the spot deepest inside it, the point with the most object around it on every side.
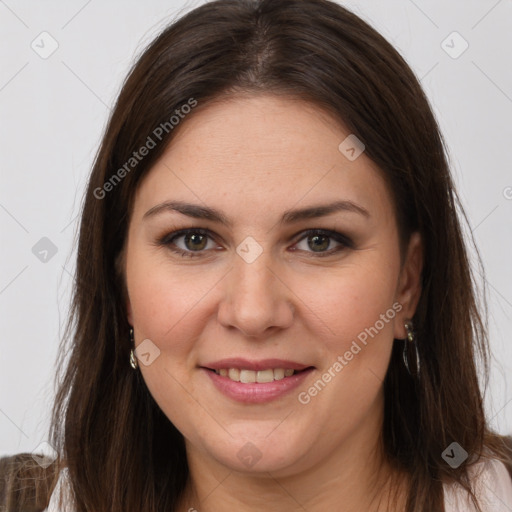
(253, 157)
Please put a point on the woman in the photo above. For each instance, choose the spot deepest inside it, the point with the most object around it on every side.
(274, 308)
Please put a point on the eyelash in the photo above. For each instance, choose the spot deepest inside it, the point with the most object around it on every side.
(168, 241)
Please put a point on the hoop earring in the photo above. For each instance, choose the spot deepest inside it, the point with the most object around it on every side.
(133, 359)
(410, 345)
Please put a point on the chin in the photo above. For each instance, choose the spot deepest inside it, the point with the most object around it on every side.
(261, 453)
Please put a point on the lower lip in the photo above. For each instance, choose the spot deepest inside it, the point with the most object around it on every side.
(257, 393)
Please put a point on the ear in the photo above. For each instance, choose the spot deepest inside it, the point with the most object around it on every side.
(409, 284)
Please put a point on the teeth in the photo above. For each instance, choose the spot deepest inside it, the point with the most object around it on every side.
(234, 374)
(265, 376)
(247, 376)
(250, 376)
(278, 374)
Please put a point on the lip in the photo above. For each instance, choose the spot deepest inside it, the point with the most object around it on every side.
(257, 393)
(262, 364)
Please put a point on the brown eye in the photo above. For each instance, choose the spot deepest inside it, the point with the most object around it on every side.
(195, 241)
(188, 242)
(318, 242)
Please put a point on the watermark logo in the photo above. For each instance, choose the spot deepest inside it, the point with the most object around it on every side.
(352, 147)
(45, 45)
(147, 352)
(454, 455)
(249, 250)
(44, 250)
(249, 454)
(455, 45)
(44, 454)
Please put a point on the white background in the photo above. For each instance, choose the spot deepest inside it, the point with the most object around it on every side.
(53, 112)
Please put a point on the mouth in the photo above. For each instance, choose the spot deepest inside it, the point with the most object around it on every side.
(246, 376)
(256, 381)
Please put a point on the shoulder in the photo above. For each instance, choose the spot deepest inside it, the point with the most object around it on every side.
(492, 484)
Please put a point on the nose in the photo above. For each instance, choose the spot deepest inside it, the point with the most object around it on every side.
(255, 298)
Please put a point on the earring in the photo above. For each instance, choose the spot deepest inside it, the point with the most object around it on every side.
(133, 359)
(410, 345)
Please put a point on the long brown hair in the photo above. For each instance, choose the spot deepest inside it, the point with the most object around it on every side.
(121, 450)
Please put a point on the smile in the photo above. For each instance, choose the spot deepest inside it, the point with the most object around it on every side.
(256, 382)
(250, 376)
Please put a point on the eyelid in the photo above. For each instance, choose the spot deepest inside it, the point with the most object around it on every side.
(185, 231)
(168, 238)
(341, 238)
(329, 233)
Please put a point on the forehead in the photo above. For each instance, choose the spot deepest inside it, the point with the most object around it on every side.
(262, 154)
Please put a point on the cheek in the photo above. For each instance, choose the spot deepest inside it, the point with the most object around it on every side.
(354, 318)
(355, 314)
(166, 300)
(168, 308)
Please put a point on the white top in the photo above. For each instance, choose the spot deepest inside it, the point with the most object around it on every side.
(493, 488)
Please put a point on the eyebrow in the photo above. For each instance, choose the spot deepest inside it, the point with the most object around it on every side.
(288, 217)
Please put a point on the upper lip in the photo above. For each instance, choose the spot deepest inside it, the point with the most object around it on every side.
(262, 364)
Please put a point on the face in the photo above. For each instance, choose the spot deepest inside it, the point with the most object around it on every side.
(257, 247)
